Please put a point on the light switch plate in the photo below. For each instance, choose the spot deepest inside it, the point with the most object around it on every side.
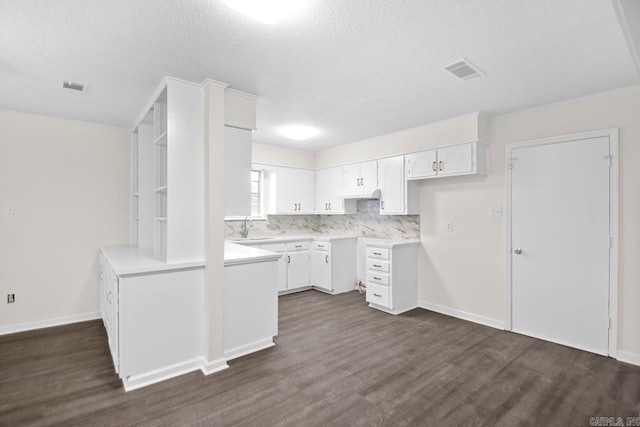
(10, 209)
(449, 226)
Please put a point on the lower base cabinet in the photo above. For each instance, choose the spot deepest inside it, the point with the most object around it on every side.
(392, 275)
(153, 319)
(333, 265)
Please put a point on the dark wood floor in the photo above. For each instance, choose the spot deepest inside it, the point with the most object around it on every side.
(337, 362)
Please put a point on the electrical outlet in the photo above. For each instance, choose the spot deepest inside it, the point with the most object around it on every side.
(495, 211)
(11, 298)
(449, 226)
(10, 209)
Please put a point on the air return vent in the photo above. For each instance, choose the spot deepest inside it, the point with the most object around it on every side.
(462, 69)
(80, 87)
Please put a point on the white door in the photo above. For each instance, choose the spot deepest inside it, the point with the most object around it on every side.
(286, 191)
(336, 205)
(322, 190)
(369, 175)
(560, 240)
(422, 164)
(392, 185)
(304, 191)
(299, 269)
(351, 178)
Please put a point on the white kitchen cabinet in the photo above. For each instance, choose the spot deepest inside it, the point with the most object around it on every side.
(392, 275)
(294, 267)
(237, 177)
(360, 177)
(167, 173)
(397, 195)
(153, 314)
(328, 185)
(294, 191)
(460, 159)
(333, 265)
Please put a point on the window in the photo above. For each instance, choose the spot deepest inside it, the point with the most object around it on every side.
(256, 194)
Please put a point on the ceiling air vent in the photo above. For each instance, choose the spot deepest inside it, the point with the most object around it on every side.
(80, 87)
(462, 69)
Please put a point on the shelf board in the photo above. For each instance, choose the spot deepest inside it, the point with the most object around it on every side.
(161, 218)
(162, 189)
(162, 139)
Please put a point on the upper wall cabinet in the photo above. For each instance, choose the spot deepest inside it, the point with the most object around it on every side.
(461, 159)
(294, 191)
(167, 174)
(328, 185)
(360, 177)
(237, 172)
(397, 195)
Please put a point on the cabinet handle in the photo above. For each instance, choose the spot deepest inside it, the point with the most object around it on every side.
(109, 297)
(288, 259)
(362, 181)
(377, 278)
(295, 206)
(329, 206)
(326, 206)
(434, 166)
(440, 165)
(298, 246)
(326, 259)
(377, 295)
(378, 253)
(299, 207)
(381, 204)
(377, 266)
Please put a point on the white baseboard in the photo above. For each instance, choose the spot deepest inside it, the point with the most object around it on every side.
(133, 382)
(58, 321)
(234, 353)
(628, 357)
(461, 314)
(214, 366)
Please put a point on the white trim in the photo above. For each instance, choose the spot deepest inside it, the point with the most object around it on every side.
(243, 350)
(212, 82)
(395, 312)
(624, 25)
(237, 92)
(628, 357)
(464, 315)
(612, 134)
(568, 101)
(58, 321)
(133, 382)
(213, 366)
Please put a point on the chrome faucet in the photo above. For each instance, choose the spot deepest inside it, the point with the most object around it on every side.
(245, 230)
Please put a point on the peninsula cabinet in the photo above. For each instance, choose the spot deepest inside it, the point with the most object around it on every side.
(333, 265)
(153, 314)
(360, 177)
(392, 275)
(167, 173)
(460, 159)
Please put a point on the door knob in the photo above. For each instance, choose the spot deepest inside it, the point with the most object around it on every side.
(517, 251)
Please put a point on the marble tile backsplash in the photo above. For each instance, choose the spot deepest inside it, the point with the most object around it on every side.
(366, 222)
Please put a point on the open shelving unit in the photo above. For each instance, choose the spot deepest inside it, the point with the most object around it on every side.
(167, 183)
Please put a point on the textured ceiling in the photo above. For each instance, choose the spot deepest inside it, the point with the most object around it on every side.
(355, 69)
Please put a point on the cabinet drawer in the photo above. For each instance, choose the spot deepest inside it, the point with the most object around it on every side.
(321, 246)
(377, 265)
(377, 253)
(378, 295)
(298, 246)
(274, 247)
(376, 277)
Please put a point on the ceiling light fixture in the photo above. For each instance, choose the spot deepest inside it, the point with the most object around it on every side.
(268, 12)
(298, 132)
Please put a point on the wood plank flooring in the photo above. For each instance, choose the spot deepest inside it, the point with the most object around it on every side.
(336, 363)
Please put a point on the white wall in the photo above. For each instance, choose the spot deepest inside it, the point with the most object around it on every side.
(271, 155)
(464, 270)
(69, 182)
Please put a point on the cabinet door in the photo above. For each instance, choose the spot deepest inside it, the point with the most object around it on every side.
(320, 269)
(286, 187)
(369, 175)
(304, 196)
(351, 178)
(455, 160)
(322, 191)
(392, 185)
(336, 205)
(422, 164)
(298, 271)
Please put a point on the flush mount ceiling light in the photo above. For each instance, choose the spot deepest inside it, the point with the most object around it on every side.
(298, 132)
(265, 11)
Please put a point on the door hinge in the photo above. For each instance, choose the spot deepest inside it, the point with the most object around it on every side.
(610, 160)
(610, 242)
(610, 323)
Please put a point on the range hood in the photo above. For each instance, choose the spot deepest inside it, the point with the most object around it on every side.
(365, 194)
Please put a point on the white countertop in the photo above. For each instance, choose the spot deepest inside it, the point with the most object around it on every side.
(389, 243)
(235, 254)
(127, 259)
(287, 238)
